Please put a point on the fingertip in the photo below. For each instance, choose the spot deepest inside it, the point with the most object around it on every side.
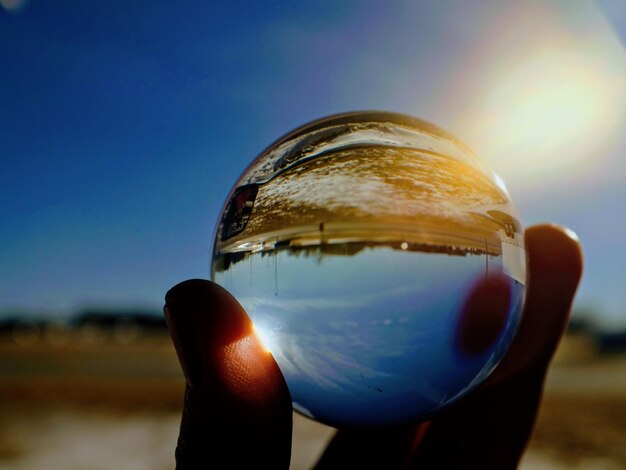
(217, 343)
(195, 297)
(202, 318)
(554, 246)
(555, 260)
(185, 290)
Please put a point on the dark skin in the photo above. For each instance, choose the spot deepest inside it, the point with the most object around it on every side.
(238, 410)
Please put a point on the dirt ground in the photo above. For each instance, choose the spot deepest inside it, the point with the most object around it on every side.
(105, 406)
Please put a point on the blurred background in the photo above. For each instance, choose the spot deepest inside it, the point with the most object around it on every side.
(123, 126)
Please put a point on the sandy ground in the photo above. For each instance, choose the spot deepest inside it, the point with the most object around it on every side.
(68, 408)
(81, 440)
(66, 438)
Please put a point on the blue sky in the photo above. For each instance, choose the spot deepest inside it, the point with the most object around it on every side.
(123, 125)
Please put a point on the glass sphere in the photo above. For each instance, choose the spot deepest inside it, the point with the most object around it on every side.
(360, 246)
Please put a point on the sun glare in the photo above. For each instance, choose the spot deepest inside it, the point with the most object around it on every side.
(555, 106)
(263, 337)
(552, 112)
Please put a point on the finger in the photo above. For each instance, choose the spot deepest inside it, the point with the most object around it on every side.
(237, 411)
(555, 264)
(491, 427)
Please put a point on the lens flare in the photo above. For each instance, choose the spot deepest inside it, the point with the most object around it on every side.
(13, 5)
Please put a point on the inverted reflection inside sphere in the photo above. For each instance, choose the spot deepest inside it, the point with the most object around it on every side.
(381, 262)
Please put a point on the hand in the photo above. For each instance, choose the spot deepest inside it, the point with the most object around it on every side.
(238, 409)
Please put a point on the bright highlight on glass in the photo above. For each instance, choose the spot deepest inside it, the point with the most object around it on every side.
(362, 246)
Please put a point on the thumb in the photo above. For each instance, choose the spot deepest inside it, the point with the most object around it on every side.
(237, 411)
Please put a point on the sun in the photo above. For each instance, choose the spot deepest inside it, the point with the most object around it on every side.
(551, 112)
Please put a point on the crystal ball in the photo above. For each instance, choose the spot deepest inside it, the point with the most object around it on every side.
(362, 246)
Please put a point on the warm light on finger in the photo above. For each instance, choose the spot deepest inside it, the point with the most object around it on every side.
(249, 371)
